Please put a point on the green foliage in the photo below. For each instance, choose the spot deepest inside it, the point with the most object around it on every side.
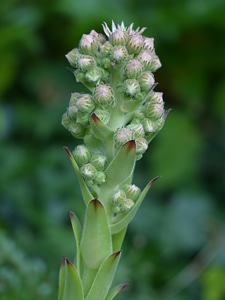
(37, 185)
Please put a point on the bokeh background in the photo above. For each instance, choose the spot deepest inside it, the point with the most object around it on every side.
(175, 247)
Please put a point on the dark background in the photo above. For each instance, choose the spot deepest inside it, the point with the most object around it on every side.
(175, 247)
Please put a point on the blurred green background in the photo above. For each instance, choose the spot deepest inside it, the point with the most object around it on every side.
(175, 247)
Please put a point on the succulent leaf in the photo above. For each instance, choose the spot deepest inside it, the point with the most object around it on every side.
(96, 243)
(77, 231)
(115, 291)
(69, 282)
(104, 277)
(99, 129)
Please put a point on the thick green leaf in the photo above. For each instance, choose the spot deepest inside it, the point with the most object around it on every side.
(122, 165)
(77, 231)
(104, 278)
(87, 196)
(70, 285)
(117, 239)
(96, 242)
(100, 130)
(122, 221)
(115, 291)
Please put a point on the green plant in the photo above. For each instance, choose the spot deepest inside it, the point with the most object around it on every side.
(116, 120)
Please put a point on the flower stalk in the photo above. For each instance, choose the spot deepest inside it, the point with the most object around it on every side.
(115, 121)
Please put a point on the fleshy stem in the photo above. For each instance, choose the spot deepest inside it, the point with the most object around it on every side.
(116, 122)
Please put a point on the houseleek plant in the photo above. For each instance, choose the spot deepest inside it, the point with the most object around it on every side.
(115, 121)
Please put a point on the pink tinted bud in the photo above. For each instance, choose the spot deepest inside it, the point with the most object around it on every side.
(88, 44)
(85, 62)
(119, 53)
(131, 87)
(135, 43)
(149, 43)
(104, 95)
(122, 136)
(133, 68)
(85, 103)
(72, 57)
(118, 37)
(146, 81)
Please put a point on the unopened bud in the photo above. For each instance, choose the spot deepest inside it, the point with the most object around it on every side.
(85, 62)
(148, 125)
(153, 110)
(103, 115)
(73, 98)
(99, 177)
(146, 57)
(131, 87)
(82, 154)
(66, 120)
(98, 160)
(104, 95)
(156, 64)
(72, 112)
(85, 103)
(146, 81)
(77, 130)
(88, 172)
(105, 49)
(137, 130)
(118, 198)
(122, 136)
(133, 68)
(126, 205)
(132, 191)
(156, 97)
(82, 118)
(72, 57)
(149, 43)
(141, 146)
(118, 37)
(135, 43)
(88, 44)
(94, 75)
(119, 53)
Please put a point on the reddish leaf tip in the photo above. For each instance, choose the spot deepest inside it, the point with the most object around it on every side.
(96, 203)
(130, 145)
(68, 151)
(95, 118)
(122, 286)
(115, 254)
(153, 180)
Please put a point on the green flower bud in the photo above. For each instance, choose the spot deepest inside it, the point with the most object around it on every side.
(156, 97)
(72, 57)
(96, 75)
(72, 112)
(126, 205)
(88, 43)
(98, 36)
(77, 130)
(133, 68)
(155, 110)
(119, 53)
(98, 160)
(82, 118)
(85, 62)
(118, 37)
(73, 98)
(82, 154)
(88, 172)
(149, 125)
(66, 120)
(146, 57)
(135, 43)
(132, 191)
(131, 87)
(156, 64)
(99, 177)
(85, 103)
(146, 81)
(141, 146)
(122, 136)
(105, 49)
(137, 130)
(149, 43)
(118, 197)
(103, 115)
(104, 95)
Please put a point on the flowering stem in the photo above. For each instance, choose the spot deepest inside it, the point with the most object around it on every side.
(116, 123)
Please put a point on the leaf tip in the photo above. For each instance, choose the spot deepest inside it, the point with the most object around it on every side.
(153, 180)
(68, 151)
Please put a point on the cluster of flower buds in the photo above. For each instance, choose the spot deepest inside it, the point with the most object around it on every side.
(124, 198)
(121, 104)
